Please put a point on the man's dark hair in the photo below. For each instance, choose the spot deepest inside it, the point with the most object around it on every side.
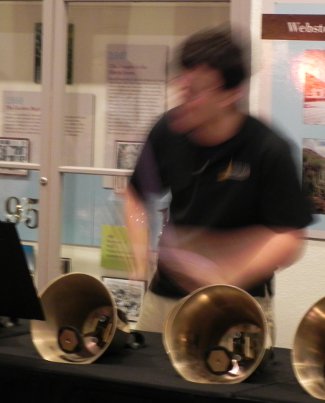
(217, 49)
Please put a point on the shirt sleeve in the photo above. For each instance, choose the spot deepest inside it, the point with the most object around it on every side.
(147, 175)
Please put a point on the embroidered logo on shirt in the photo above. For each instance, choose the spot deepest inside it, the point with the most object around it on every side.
(236, 171)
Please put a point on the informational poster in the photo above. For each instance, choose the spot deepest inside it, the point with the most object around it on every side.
(22, 115)
(294, 37)
(136, 96)
(115, 248)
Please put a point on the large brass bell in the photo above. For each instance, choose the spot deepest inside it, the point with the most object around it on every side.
(308, 351)
(217, 334)
(81, 321)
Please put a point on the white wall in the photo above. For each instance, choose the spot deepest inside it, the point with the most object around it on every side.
(297, 289)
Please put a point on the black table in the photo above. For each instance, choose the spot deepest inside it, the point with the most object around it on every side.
(143, 375)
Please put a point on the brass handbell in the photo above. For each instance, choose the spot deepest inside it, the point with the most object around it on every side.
(217, 334)
(308, 351)
(81, 321)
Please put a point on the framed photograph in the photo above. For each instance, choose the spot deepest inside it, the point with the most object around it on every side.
(14, 149)
(128, 295)
(127, 153)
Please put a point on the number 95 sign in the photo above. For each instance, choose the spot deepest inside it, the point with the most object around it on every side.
(22, 211)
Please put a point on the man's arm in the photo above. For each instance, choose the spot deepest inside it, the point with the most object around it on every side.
(274, 250)
(243, 258)
(137, 224)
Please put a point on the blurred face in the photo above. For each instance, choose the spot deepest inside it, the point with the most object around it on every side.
(201, 99)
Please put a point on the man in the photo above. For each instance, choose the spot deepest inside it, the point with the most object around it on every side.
(237, 212)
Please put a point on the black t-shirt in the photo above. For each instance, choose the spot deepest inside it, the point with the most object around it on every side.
(249, 180)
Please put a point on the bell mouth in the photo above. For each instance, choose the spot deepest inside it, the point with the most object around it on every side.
(82, 320)
(217, 334)
(308, 351)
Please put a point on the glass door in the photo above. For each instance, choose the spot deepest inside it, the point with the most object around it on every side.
(81, 82)
(20, 120)
(120, 59)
